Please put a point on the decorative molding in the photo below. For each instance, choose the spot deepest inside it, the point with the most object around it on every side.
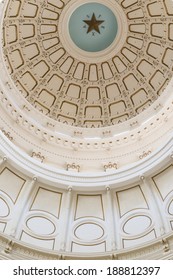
(95, 181)
(110, 166)
(165, 244)
(5, 158)
(145, 154)
(107, 133)
(9, 247)
(38, 155)
(73, 167)
(26, 108)
(7, 134)
(19, 250)
(85, 144)
(78, 133)
(134, 124)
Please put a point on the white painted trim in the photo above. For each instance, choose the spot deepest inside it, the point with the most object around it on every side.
(85, 181)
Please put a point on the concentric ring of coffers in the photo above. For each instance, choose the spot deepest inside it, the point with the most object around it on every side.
(87, 94)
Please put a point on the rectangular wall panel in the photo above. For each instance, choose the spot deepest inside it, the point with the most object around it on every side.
(89, 206)
(164, 181)
(48, 201)
(130, 199)
(11, 183)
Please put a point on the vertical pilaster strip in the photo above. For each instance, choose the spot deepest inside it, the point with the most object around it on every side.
(110, 221)
(66, 220)
(13, 226)
(160, 222)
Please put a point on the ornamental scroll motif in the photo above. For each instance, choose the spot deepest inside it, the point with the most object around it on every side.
(73, 167)
(110, 166)
(38, 155)
(145, 154)
(7, 134)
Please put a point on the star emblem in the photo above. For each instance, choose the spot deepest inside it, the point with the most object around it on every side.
(93, 24)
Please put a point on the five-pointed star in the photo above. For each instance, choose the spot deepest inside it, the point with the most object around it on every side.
(93, 24)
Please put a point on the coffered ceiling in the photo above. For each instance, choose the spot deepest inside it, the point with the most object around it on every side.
(81, 88)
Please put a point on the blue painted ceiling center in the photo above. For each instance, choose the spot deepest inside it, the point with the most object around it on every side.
(93, 27)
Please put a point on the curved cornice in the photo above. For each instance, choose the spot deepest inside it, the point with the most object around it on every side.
(14, 249)
(86, 181)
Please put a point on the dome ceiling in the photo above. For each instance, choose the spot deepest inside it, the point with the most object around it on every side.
(65, 71)
(89, 88)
